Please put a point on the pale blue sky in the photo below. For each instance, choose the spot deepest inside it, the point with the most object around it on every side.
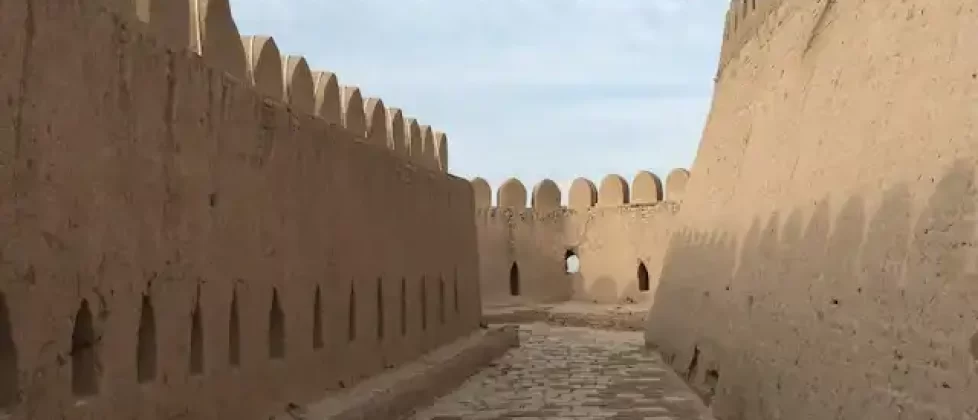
(527, 88)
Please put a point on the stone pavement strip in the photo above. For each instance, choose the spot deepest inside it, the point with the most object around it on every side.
(572, 373)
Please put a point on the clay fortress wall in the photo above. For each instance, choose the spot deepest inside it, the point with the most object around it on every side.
(824, 264)
(617, 232)
(195, 226)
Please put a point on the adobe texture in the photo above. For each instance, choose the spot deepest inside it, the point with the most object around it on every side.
(824, 261)
(196, 227)
(617, 233)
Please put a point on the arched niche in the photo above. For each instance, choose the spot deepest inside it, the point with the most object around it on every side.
(512, 194)
(583, 195)
(646, 188)
(264, 65)
(546, 196)
(613, 191)
(482, 193)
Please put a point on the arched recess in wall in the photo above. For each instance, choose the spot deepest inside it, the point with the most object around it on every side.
(455, 292)
(84, 358)
(423, 303)
(441, 300)
(317, 320)
(146, 345)
(276, 328)
(613, 191)
(196, 339)
(234, 333)
(351, 315)
(514, 280)
(9, 360)
(572, 264)
(404, 323)
(583, 195)
(643, 277)
(380, 308)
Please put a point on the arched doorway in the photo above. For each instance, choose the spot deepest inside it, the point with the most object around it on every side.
(514, 280)
(643, 278)
(572, 264)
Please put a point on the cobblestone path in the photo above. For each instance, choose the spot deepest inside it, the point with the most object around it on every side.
(572, 373)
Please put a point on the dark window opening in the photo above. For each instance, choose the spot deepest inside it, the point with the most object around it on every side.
(84, 360)
(9, 360)
(234, 333)
(380, 308)
(196, 341)
(643, 278)
(351, 316)
(146, 346)
(317, 320)
(276, 328)
(514, 280)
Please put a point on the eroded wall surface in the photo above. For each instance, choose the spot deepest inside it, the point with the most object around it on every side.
(824, 266)
(618, 235)
(202, 229)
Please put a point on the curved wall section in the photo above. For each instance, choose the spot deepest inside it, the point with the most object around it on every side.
(206, 237)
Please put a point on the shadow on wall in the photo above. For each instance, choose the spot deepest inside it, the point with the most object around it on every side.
(815, 320)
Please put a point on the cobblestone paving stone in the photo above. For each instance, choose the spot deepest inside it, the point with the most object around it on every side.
(572, 373)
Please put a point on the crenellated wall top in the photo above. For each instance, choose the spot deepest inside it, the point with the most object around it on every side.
(288, 79)
(614, 190)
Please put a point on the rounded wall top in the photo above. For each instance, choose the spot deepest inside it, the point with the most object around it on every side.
(512, 194)
(298, 90)
(676, 184)
(353, 118)
(376, 119)
(613, 191)
(327, 96)
(395, 131)
(646, 188)
(412, 139)
(583, 194)
(428, 154)
(264, 65)
(546, 196)
(215, 37)
(441, 150)
(482, 193)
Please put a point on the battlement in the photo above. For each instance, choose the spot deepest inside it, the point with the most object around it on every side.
(614, 190)
(744, 18)
(257, 61)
